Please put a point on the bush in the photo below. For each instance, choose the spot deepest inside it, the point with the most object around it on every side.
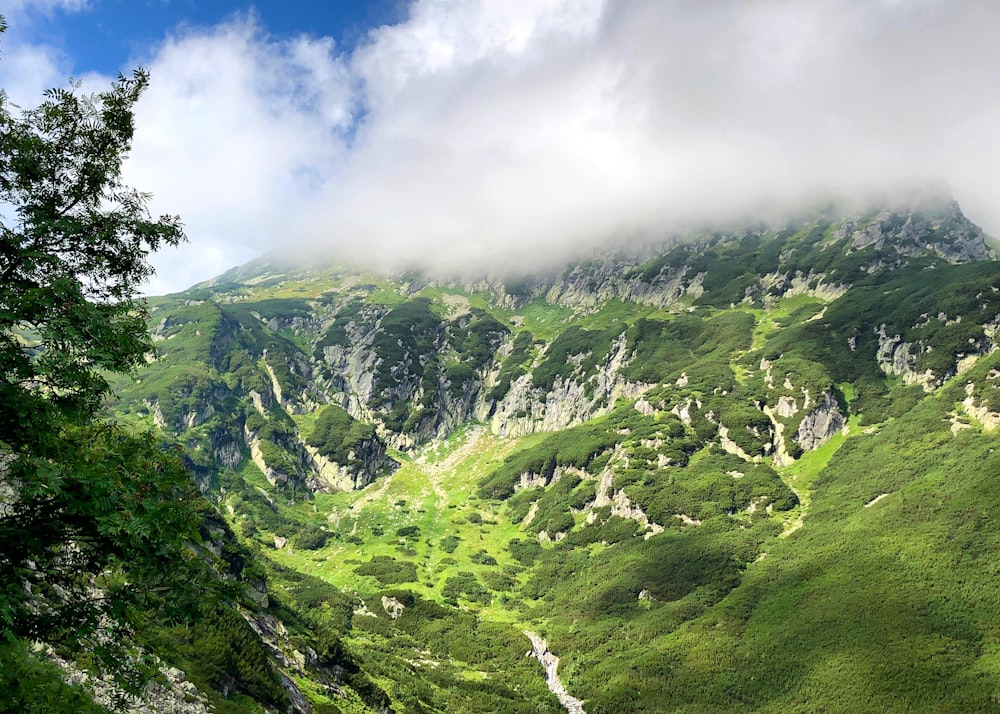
(408, 532)
(388, 570)
(312, 539)
(483, 558)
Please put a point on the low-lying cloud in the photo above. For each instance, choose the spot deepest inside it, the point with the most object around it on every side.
(483, 135)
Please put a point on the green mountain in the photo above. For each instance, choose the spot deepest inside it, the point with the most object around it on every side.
(742, 471)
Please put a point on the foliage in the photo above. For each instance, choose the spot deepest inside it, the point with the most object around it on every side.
(85, 503)
(29, 685)
(591, 346)
(465, 585)
(449, 543)
(664, 349)
(122, 506)
(222, 652)
(676, 594)
(312, 538)
(513, 366)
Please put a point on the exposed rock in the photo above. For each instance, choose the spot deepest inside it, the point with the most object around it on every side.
(175, 696)
(876, 500)
(550, 662)
(931, 225)
(786, 407)
(370, 456)
(621, 506)
(732, 447)
(779, 455)
(393, 607)
(990, 420)
(273, 476)
(682, 412)
(228, 454)
(363, 611)
(274, 635)
(821, 424)
(644, 407)
(777, 285)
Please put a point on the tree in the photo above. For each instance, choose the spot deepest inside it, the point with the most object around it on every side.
(97, 526)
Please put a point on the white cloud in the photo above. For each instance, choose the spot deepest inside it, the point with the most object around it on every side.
(234, 134)
(27, 69)
(526, 139)
(16, 9)
(487, 133)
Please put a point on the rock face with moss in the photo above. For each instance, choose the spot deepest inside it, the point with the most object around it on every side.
(313, 389)
(347, 453)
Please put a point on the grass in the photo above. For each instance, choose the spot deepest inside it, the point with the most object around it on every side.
(437, 502)
(780, 314)
(542, 319)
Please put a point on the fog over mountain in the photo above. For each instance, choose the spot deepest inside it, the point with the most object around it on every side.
(486, 134)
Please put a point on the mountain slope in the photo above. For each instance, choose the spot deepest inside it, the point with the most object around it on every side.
(732, 471)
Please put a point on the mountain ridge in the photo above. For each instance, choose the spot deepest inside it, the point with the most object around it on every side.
(626, 445)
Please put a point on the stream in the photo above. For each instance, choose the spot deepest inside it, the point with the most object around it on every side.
(550, 662)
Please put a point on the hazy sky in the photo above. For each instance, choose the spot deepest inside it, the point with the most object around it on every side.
(491, 133)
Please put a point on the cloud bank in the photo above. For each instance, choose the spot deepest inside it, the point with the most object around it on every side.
(487, 134)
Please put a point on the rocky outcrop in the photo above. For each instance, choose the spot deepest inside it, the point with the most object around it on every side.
(172, 695)
(527, 409)
(779, 451)
(368, 461)
(393, 607)
(411, 364)
(821, 424)
(274, 476)
(777, 285)
(617, 499)
(937, 225)
(895, 357)
(228, 453)
(730, 446)
(988, 418)
(283, 652)
(331, 476)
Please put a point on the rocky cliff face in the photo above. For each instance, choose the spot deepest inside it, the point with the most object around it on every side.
(941, 229)
(417, 358)
(821, 424)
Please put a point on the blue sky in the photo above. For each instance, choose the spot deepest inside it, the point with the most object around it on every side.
(108, 35)
(483, 134)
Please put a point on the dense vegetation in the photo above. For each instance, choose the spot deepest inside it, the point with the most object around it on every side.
(101, 527)
(337, 434)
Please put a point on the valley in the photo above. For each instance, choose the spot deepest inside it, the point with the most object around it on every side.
(729, 472)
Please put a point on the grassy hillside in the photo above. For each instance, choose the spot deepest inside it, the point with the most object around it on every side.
(745, 472)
